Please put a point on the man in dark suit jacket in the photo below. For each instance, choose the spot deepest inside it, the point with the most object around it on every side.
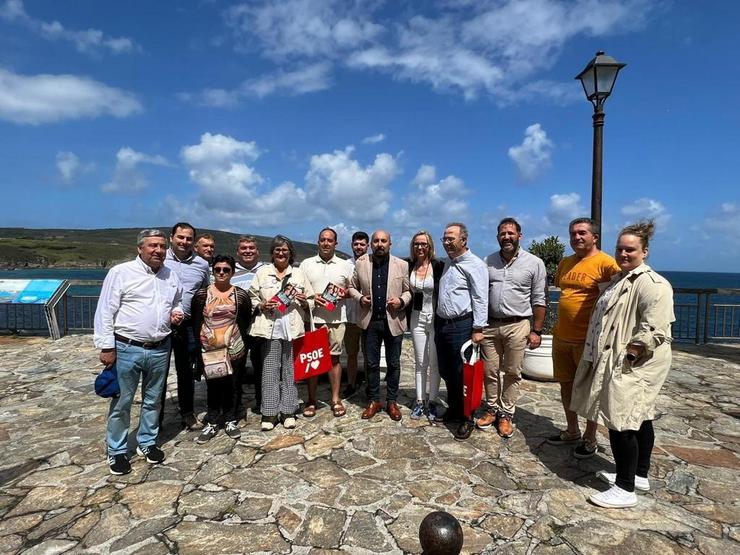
(381, 284)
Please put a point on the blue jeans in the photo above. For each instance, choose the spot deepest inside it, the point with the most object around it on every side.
(449, 337)
(377, 332)
(132, 363)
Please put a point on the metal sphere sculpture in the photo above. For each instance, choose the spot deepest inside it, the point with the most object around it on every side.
(440, 534)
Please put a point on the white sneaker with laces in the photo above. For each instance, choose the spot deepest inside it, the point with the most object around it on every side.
(614, 498)
(642, 484)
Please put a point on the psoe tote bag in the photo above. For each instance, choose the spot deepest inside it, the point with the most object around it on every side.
(311, 353)
(472, 378)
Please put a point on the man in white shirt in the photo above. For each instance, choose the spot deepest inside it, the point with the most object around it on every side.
(139, 302)
(321, 270)
(247, 263)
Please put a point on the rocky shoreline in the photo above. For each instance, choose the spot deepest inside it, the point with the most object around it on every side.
(348, 485)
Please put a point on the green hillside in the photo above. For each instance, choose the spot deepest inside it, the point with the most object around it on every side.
(99, 248)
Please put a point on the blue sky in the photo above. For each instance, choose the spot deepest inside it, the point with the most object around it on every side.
(269, 117)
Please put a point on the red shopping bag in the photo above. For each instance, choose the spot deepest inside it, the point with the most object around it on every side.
(472, 379)
(311, 354)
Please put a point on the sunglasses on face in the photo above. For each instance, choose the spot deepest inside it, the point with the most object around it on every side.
(222, 270)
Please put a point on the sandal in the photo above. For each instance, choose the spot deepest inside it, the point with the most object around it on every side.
(338, 409)
(309, 409)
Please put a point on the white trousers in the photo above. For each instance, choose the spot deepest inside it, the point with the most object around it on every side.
(425, 353)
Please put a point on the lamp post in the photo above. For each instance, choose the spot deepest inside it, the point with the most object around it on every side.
(598, 80)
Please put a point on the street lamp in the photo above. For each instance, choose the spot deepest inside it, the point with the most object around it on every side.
(598, 80)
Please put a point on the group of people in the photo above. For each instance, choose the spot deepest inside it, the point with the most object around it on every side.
(611, 348)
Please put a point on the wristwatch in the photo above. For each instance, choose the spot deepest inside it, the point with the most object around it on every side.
(538, 332)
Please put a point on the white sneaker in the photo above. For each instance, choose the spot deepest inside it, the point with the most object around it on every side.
(642, 484)
(289, 422)
(614, 498)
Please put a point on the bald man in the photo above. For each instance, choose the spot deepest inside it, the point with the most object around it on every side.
(380, 283)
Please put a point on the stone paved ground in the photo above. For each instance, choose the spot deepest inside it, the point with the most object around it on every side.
(346, 485)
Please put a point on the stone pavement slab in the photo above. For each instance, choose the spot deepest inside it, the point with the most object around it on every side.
(344, 485)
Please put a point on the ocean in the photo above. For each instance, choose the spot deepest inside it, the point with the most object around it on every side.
(726, 321)
(688, 280)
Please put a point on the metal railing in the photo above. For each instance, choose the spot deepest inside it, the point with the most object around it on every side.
(702, 315)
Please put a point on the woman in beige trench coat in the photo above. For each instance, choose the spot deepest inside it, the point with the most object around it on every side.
(625, 361)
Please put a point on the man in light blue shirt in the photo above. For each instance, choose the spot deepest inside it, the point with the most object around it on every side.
(462, 313)
(194, 274)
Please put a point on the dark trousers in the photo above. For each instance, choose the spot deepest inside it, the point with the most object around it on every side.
(254, 344)
(449, 337)
(632, 450)
(220, 397)
(183, 366)
(378, 333)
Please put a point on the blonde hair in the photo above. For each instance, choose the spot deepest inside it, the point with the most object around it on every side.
(643, 230)
(431, 245)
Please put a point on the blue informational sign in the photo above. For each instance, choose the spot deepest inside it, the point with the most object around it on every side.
(28, 291)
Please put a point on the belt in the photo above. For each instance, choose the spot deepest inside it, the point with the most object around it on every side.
(507, 320)
(468, 316)
(142, 344)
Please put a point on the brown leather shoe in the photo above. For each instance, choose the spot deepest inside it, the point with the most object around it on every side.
(505, 427)
(372, 409)
(393, 411)
(486, 421)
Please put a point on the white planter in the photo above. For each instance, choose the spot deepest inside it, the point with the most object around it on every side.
(538, 362)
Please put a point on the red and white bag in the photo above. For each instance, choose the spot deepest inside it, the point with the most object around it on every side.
(472, 379)
(311, 353)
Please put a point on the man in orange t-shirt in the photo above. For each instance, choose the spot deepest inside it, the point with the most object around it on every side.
(578, 278)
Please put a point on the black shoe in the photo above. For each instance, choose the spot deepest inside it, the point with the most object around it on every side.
(118, 464)
(232, 430)
(153, 454)
(464, 431)
(207, 434)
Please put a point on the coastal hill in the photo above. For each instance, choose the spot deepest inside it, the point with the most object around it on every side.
(102, 248)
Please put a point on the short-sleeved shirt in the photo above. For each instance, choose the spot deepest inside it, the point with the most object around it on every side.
(321, 273)
(514, 287)
(578, 280)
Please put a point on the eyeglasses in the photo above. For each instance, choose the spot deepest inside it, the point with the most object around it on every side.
(448, 239)
(222, 270)
(421, 245)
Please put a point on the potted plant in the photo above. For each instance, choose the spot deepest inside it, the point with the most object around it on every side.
(538, 362)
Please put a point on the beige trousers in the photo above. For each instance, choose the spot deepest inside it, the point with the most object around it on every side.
(503, 354)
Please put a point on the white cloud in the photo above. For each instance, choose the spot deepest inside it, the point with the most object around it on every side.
(533, 156)
(564, 208)
(374, 139)
(312, 78)
(494, 48)
(725, 221)
(70, 168)
(231, 189)
(37, 99)
(127, 178)
(432, 201)
(302, 28)
(347, 189)
(88, 41)
(315, 77)
(647, 208)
